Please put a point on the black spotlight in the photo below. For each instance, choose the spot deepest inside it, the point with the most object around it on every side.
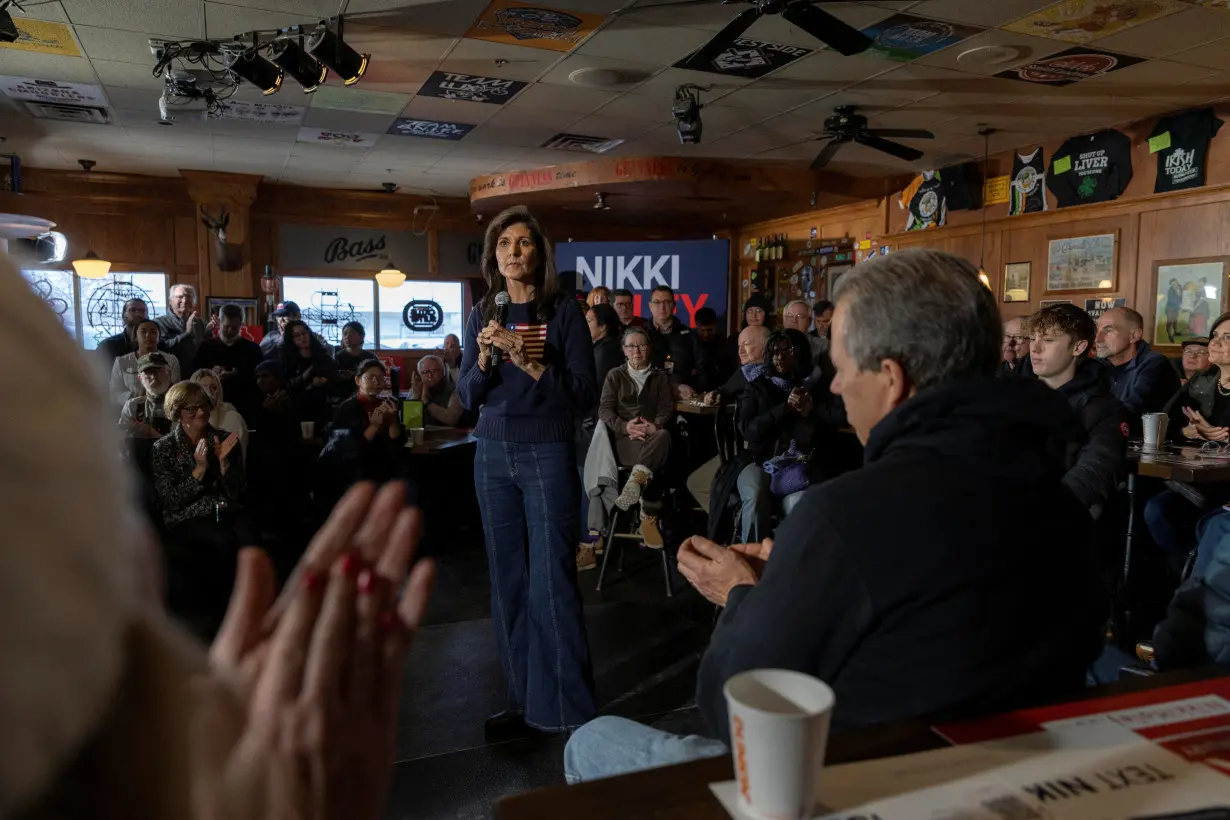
(300, 65)
(257, 70)
(341, 59)
(686, 109)
(8, 29)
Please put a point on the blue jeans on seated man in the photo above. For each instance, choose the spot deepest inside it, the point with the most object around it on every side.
(756, 516)
(1172, 520)
(609, 746)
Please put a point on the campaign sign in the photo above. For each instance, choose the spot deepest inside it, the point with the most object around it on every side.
(697, 270)
(408, 127)
(450, 85)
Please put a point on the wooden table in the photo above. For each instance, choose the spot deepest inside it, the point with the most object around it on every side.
(438, 439)
(682, 792)
(1186, 464)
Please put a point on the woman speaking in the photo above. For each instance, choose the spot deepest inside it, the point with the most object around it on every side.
(529, 370)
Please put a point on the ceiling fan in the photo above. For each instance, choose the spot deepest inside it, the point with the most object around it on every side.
(846, 126)
(826, 28)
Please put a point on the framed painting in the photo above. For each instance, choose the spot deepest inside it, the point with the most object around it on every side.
(1190, 294)
(1082, 263)
(1016, 282)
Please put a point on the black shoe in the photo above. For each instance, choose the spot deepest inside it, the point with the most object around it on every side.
(506, 725)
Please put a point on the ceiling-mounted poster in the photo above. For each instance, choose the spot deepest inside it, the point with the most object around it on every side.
(449, 85)
(904, 37)
(407, 127)
(1071, 66)
(747, 58)
(529, 24)
(1083, 21)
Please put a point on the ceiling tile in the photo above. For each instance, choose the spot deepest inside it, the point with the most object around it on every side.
(441, 110)
(401, 61)
(1202, 90)
(909, 83)
(525, 116)
(478, 150)
(1210, 55)
(452, 18)
(472, 166)
(623, 38)
(774, 96)
(254, 149)
(296, 10)
(223, 21)
(170, 18)
(633, 72)
(607, 127)
(1155, 79)
(131, 75)
(703, 16)
(978, 12)
(589, 6)
(993, 51)
(291, 93)
(255, 130)
(1170, 35)
(488, 59)
(529, 137)
(563, 98)
(348, 120)
(46, 67)
(632, 107)
(136, 99)
(662, 86)
(115, 44)
(830, 70)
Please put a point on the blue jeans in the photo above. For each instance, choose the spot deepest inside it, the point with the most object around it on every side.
(1172, 520)
(608, 746)
(528, 497)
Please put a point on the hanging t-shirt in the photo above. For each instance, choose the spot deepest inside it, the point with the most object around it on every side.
(1026, 193)
(928, 206)
(1181, 143)
(1092, 168)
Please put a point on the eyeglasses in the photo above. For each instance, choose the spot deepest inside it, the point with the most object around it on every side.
(1215, 448)
(193, 409)
(636, 347)
(1017, 339)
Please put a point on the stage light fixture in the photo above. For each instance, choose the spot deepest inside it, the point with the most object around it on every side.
(8, 29)
(686, 109)
(328, 47)
(257, 70)
(303, 67)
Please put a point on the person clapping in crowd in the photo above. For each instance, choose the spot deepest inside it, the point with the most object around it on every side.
(371, 418)
(125, 381)
(233, 358)
(143, 416)
(431, 385)
(223, 415)
(311, 372)
(183, 329)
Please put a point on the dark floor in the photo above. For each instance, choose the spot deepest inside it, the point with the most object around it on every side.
(645, 650)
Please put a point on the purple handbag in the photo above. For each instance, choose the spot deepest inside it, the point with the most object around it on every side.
(788, 472)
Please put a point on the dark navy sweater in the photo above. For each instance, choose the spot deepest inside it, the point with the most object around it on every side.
(512, 406)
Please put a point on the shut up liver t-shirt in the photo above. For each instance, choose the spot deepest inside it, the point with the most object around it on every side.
(1091, 168)
(1181, 143)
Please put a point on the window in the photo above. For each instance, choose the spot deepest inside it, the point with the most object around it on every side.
(93, 309)
(396, 302)
(328, 304)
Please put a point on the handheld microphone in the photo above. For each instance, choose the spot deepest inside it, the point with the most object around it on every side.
(501, 314)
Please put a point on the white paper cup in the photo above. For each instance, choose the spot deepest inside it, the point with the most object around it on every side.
(779, 727)
(308, 428)
(1155, 425)
(416, 435)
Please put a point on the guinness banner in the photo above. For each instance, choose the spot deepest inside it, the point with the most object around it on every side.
(312, 247)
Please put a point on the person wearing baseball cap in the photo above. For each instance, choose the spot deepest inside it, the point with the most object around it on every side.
(1195, 356)
(143, 416)
(284, 312)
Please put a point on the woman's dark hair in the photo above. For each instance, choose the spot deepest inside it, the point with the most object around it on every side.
(546, 282)
(290, 353)
(796, 339)
(133, 330)
(756, 302)
(1225, 317)
(606, 317)
(821, 306)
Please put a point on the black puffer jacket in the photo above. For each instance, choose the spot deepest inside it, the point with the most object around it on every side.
(768, 424)
(1098, 463)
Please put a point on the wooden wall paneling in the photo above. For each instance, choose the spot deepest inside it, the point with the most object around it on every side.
(1178, 233)
(433, 253)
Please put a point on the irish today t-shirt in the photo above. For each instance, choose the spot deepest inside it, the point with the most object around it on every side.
(1181, 143)
(1091, 168)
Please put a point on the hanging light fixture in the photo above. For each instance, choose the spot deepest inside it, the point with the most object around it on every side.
(986, 133)
(390, 276)
(91, 266)
(257, 70)
(328, 47)
(303, 67)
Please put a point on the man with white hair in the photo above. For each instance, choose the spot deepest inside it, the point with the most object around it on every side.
(441, 404)
(797, 315)
(181, 328)
(911, 577)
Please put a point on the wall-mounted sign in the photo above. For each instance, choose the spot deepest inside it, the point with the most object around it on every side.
(422, 315)
(904, 37)
(747, 58)
(459, 253)
(449, 85)
(529, 24)
(1070, 66)
(258, 112)
(43, 36)
(995, 190)
(340, 139)
(49, 91)
(579, 142)
(406, 127)
(312, 247)
(1096, 307)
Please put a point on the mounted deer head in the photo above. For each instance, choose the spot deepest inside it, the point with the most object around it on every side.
(229, 257)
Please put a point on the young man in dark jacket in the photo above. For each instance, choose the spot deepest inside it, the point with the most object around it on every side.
(673, 346)
(909, 586)
(1061, 338)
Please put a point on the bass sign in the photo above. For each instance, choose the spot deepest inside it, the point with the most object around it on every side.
(339, 250)
(422, 315)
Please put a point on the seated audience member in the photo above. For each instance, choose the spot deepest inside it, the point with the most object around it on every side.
(143, 416)
(181, 328)
(1062, 336)
(711, 353)
(112, 347)
(311, 373)
(780, 407)
(622, 301)
(822, 319)
(600, 295)
(755, 313)
(1015, 351)
(351, 353)
(232, 358)
(636, 404)
(673, 347)
(1195, 357)
(450, 351)
(222, 416)
(880, 582)
(1141, 377)
(271, 345)
(1199, 412)
(125, 382)
(372, 418)
(1196, 630)
(605, 330)
(797, 316)
(431, 386)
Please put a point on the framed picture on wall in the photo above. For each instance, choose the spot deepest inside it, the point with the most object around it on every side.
(1045, 303)
(1016, 282)
(1190, 294)
(1081, 263)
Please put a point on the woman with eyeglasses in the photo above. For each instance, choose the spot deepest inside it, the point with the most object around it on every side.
(199, 481)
